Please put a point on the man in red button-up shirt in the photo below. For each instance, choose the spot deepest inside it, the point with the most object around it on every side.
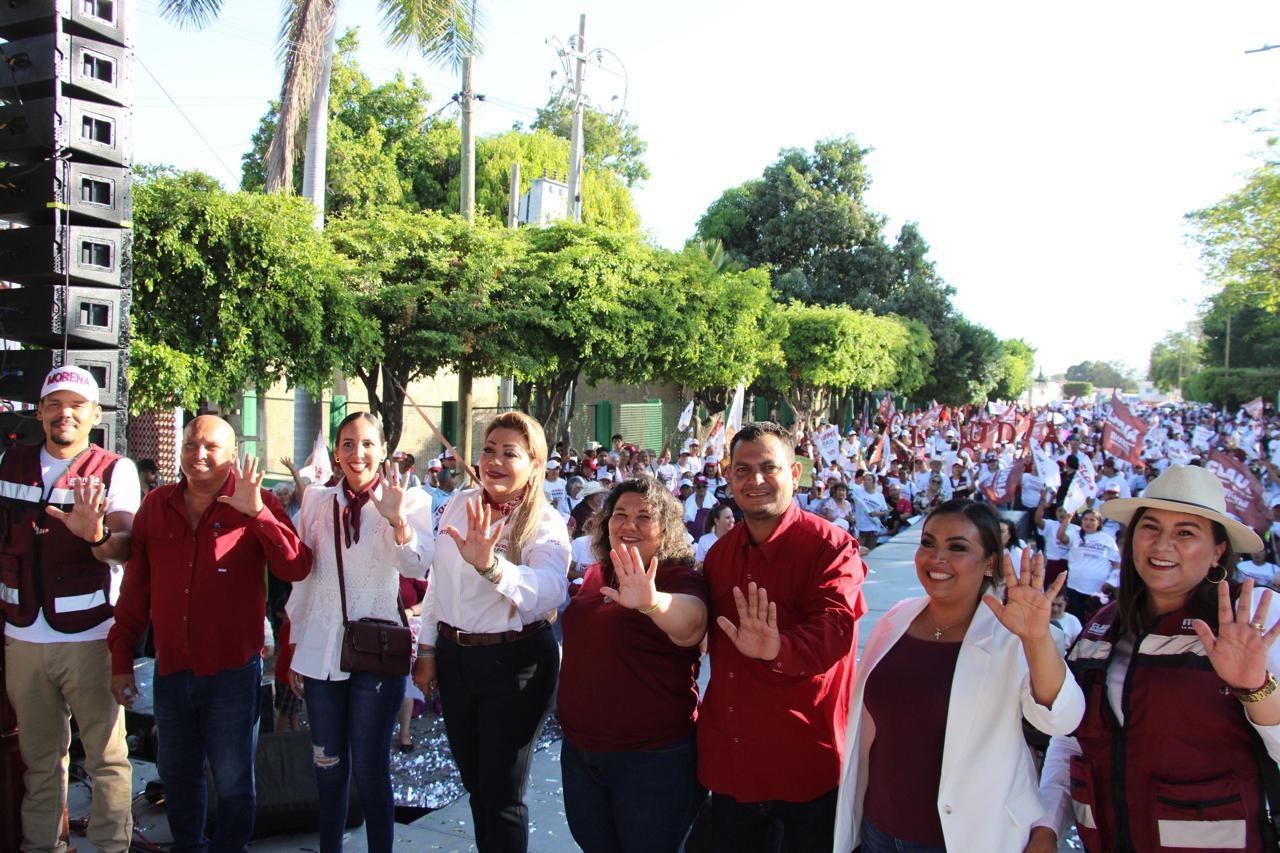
(786, 593)
(200, 551)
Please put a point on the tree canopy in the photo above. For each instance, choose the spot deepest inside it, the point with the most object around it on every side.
(1102, 374)
(230, 291)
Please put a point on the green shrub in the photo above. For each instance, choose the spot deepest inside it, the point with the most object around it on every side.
(1233, 387)
(1077, 389)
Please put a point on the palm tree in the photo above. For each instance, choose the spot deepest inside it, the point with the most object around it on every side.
(444, 31)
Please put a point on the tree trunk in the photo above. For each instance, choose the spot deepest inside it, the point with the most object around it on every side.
(315, 162)
(555, 404)
(393, 405)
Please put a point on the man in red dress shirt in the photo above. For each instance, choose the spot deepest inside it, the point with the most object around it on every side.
(197, 566)
(786, 593)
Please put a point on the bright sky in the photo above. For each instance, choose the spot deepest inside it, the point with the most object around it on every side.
(1048, 152)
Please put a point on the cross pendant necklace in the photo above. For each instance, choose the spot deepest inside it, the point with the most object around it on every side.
(937, 631)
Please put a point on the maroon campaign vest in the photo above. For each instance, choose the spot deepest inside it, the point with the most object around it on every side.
(44, 567)
(1182, 772)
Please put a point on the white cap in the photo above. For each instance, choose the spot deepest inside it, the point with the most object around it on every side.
(71, 378)
(553, 465)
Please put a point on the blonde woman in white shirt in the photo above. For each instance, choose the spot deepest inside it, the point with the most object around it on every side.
(384, 530)
(500, 569)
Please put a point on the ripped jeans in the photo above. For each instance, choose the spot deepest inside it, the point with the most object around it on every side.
(351, 724)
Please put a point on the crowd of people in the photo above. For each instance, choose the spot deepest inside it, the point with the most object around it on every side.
(1089, 651)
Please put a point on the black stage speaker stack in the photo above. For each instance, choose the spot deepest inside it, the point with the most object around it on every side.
(66, 147)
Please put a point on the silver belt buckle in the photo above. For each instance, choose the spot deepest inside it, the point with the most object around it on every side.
(460, 637)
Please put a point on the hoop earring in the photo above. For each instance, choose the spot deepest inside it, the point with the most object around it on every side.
(1219, 568)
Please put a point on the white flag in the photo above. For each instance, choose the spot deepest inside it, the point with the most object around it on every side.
(1083, 486)
(320, 469)
(686, 417)
(1046, 469)
(734, 423)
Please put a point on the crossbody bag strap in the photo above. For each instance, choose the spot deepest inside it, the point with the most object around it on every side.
(342, 583)
(337, 551)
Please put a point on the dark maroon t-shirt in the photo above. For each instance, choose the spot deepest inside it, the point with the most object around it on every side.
(624, 685)
(907, 696)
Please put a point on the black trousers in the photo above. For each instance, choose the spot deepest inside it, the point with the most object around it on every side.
(773, 826)
(495, 701)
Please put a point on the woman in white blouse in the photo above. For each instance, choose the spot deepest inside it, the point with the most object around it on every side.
(500, 569)
(384, 530)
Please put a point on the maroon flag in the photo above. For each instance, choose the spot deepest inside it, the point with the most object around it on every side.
(929, 418)
(1254, 408)
(1004, 488)
(1244, 492)
(1023, 427)
(1123, 433)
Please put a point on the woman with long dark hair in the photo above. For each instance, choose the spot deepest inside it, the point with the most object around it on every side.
(1181, 730)
(628, 684)
(943, 686)
(383, 530)
(500, 571)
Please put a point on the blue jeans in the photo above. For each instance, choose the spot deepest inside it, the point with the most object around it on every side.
(351, 724)
(631, 802)
(213, 717)
(875, 841)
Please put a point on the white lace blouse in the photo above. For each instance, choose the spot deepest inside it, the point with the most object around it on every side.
(371, 567)
(525, 593)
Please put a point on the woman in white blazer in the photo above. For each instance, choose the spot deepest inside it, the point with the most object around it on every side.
(943, 765)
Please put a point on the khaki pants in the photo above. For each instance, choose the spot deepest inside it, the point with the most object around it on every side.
(48, 683)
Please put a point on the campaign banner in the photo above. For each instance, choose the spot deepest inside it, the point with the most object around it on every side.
(828, 439)
(1245, 496)
(1046, 468)
(686, 417)
(1124, 433)
(929, 418)
(879, 461)
(1022, 428)
(1254, 408)
(734, 422)
(1202, 437)
(1084, 485)
(1004, 488)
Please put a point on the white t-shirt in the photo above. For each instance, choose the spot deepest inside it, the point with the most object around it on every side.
(557, 496)
(124, 494)
(865, 503)
(1265, 573)
(667, 474)
(1032, 487)
(704, 545)
(1090, 562)
(580, 552)
(1053, 549)
(1065, 630)
(691, 504)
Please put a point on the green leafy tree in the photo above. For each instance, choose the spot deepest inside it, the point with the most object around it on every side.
(1077, 388)
(444, 292)
(966, 366)
(1255, 331)
(1017, 365)
(806, 219)
(232, 290)
(1173, 358)
(608, 310)
(609, 143)
(1102, 374)
(1237, 238)
(829, 350)
(1232, 388)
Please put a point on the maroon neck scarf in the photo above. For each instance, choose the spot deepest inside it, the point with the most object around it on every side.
(355, 503)
(506, 509)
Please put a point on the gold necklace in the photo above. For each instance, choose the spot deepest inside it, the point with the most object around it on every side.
(937, 632)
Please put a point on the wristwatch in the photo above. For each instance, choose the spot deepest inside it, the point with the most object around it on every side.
(1249, 696)
(106, 534)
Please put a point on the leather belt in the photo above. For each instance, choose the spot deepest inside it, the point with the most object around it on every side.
(472, 638)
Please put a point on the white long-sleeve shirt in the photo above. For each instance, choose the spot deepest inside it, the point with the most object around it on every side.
(524, 593)
(371, 569)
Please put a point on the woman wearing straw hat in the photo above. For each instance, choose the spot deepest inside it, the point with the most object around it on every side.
(1181, 731)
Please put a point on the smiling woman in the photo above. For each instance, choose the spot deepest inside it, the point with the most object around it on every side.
(500, 571)
(1182, 719)
(970, 674)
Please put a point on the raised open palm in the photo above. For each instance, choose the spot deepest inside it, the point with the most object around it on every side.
(756, 634)
(1028, 605)
(1239, 651)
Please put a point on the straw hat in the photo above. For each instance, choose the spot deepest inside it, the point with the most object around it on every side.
(1189, 489)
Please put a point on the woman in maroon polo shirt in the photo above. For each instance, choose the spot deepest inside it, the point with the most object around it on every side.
(628, 682)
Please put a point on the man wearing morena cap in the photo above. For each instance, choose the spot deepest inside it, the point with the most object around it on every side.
(68, 511)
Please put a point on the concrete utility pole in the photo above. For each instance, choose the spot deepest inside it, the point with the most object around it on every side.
(575, 141)
(467, 207)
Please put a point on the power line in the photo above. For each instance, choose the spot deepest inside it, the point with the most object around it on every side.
(234, 178)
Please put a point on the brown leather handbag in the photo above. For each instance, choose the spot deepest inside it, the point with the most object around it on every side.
(375, 646)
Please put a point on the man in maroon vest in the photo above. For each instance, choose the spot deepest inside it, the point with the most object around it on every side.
(67, 509)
